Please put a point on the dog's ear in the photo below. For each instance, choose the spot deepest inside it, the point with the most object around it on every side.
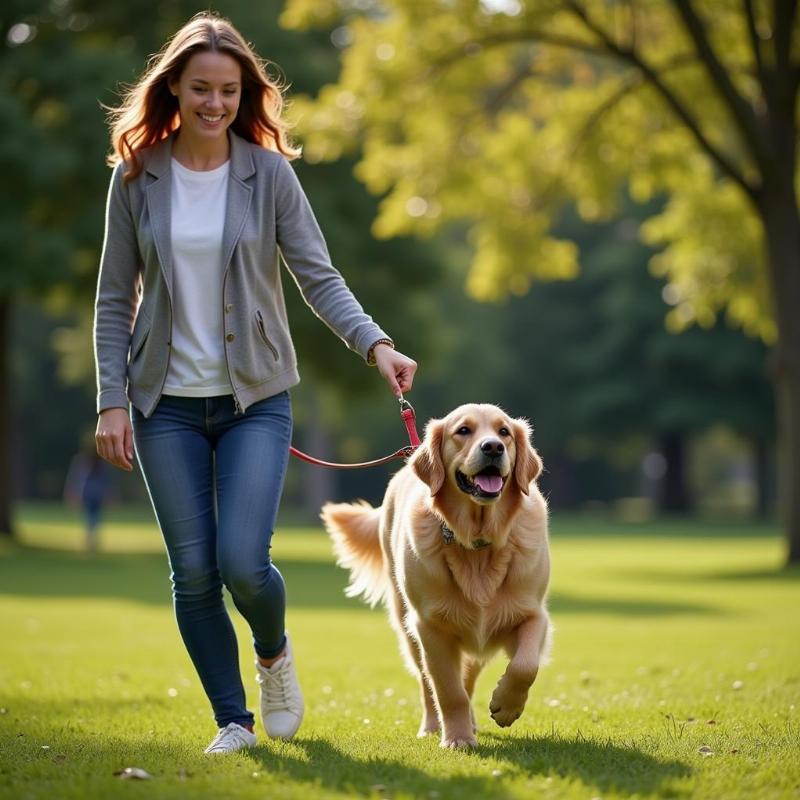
(528, 465)
(427, 461)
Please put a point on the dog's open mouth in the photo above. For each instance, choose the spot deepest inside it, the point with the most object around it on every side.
(486, 483)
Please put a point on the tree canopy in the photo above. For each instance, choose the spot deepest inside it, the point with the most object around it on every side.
(504, 113)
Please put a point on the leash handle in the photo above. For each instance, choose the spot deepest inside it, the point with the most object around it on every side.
(409, 419)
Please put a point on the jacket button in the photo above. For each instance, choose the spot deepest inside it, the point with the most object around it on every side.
(229, 308)
(230, 337)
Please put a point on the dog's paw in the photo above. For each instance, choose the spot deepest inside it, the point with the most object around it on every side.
(428, 727)
(507, 703)
(459, 742)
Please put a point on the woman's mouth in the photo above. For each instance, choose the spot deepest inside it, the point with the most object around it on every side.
(211, 119)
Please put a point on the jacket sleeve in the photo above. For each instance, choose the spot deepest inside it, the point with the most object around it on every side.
(305, 253)
(117, 297)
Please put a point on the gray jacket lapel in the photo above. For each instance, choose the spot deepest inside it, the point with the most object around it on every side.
(238, 198)
(159, 206)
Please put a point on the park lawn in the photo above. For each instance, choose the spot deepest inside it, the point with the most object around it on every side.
(670, 637)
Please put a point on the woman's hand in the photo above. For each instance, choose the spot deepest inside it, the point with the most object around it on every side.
(114, 438)
(395, 367)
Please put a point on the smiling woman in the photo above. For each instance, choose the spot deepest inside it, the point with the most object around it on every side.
(191, 328)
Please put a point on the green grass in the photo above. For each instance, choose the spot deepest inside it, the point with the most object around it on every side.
(669, 637)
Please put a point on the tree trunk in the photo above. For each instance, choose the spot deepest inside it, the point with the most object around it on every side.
(674, 496)
(782, 227)
(6, 425)
(763, 474)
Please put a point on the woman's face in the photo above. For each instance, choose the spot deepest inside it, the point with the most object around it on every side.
(209, 91)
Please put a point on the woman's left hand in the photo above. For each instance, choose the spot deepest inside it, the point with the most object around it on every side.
(396, 368)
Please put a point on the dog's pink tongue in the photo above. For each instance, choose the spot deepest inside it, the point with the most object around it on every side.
(491, 484)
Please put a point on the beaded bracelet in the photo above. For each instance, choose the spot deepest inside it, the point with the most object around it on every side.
(371, 351)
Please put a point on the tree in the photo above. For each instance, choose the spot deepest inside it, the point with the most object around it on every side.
(502, 112)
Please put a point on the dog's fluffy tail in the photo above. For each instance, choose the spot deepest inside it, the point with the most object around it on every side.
(354, 528)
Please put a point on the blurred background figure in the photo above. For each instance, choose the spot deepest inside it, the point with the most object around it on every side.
(87, 487)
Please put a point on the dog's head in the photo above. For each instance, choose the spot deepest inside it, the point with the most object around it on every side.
(477, 450)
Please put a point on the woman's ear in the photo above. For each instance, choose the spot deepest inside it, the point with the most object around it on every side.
(528, 465)
(427, 461)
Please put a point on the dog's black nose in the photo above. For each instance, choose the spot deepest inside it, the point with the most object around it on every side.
(492, 447)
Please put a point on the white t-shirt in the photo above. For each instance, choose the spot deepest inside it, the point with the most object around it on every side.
(197, 359)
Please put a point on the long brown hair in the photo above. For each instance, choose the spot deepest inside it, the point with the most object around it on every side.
(149, 111)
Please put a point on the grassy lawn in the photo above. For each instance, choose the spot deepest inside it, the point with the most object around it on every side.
(671, 637)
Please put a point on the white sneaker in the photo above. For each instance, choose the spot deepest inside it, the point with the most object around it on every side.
(281, 698)
(231, 738)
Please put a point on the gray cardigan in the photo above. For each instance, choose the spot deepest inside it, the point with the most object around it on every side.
(267, 215)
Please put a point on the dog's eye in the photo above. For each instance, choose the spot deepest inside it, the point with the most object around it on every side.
(504, 431)
(463, 431)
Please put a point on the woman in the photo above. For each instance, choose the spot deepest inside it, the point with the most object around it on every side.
(191, 329)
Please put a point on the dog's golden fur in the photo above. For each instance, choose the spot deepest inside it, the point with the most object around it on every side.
(453, 605)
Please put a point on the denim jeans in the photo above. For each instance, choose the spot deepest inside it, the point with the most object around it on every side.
(215, 480)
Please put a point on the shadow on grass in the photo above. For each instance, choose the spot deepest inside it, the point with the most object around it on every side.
(571, 525)
(144, 577)
(781, 574)
(600, 764)
(604, 767)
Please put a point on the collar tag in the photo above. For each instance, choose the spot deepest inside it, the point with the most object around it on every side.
(449, 537)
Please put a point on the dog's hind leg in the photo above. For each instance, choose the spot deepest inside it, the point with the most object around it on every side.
(470, 669)
(413, 658)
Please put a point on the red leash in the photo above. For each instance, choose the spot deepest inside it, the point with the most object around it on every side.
(410, 420)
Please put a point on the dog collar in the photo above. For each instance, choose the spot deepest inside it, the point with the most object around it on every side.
(449, 537)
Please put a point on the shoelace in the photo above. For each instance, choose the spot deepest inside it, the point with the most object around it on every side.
(228, 735)
(279, 695)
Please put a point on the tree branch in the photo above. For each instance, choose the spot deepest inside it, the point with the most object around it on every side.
(511, 37)
(755, 40)
(739, 107)
(495, 103)
(655, 78)
(784, 12)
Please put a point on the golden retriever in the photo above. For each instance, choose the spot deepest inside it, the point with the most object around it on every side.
(458, 552)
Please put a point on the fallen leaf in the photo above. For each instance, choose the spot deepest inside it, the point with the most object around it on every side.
(133, 773)
(711, 722)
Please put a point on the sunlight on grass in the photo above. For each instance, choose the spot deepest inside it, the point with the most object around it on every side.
(675, 674)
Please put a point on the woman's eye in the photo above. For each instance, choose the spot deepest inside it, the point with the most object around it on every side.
(463, 431)
(504, 432)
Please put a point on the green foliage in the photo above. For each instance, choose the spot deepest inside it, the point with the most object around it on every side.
(499, 113)
(670, 638)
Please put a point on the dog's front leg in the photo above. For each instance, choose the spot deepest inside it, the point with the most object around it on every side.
(442, 658)
(511, 693)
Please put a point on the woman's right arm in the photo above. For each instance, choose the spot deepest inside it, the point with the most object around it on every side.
(115, 312)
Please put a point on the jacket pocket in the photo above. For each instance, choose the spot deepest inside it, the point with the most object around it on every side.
(263, 333)
(138, 338)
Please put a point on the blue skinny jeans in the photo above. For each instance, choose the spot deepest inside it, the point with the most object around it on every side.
(215, 480)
